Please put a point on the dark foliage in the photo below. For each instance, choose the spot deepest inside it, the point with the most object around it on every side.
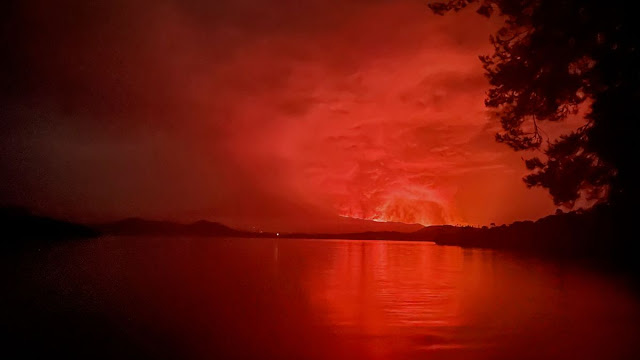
(552, 58)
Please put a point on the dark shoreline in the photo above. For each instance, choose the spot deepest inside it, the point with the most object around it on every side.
(595, 234)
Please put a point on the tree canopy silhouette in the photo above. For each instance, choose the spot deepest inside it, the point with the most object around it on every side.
(551, 58)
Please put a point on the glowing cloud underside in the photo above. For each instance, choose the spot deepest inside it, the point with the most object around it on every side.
(277, 119)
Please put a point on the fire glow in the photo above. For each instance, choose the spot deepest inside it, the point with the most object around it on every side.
(293, 120)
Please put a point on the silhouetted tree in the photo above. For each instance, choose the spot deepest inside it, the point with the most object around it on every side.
(551, 58)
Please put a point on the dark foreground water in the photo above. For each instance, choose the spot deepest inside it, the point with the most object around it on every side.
(196, 298)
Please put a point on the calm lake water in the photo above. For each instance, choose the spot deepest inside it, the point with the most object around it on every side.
(197, 298)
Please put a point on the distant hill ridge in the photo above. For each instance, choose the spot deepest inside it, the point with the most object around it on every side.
(594, 233)
(20, 224)
(138, 226)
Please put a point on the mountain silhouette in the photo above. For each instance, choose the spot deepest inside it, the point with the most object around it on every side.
(21, 227)
(588, 234)
(138, 226)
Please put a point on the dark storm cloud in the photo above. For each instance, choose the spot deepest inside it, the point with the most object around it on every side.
(249, 111)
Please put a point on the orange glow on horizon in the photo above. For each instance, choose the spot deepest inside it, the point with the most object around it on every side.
(367, 110)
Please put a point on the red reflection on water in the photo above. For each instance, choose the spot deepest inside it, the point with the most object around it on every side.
(311, 299)
(367, 289)
(410, 300)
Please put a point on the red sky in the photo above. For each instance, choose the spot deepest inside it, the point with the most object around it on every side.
(279, 115)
